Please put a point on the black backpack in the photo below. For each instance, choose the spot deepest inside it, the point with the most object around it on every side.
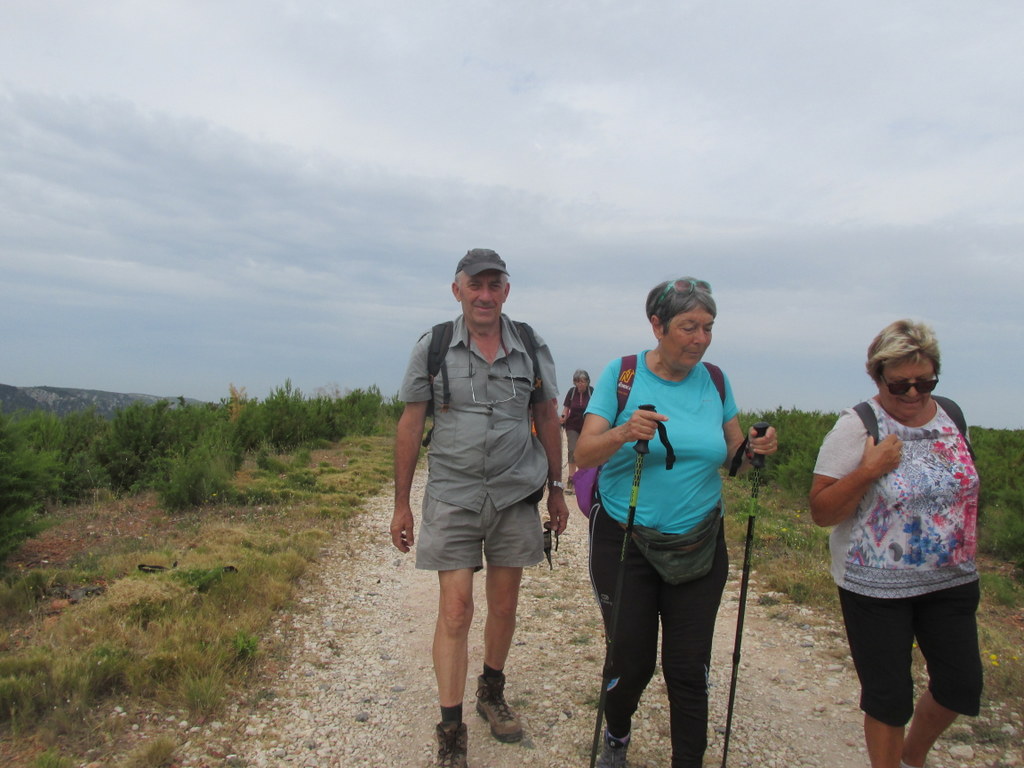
(441, 339)
(867, 415)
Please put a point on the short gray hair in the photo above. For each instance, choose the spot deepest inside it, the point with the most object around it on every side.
(673, 297)
(903, 341)
(580, 375)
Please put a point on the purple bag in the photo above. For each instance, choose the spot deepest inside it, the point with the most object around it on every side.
(584, 483)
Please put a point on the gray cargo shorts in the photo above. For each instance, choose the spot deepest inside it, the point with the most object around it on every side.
(451, 537)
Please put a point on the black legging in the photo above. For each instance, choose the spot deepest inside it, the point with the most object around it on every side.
(687, 615)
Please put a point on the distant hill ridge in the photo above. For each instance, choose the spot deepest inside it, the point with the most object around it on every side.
(62, 400)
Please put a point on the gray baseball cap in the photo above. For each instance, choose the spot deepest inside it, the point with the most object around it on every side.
(480, 260)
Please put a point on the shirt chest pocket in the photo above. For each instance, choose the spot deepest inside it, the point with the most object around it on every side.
(458, 384)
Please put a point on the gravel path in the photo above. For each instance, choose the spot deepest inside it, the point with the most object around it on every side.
(350, 681)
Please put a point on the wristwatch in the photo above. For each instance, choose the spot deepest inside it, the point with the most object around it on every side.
(552, 484)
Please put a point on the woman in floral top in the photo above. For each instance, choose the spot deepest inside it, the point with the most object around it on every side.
(905, 513)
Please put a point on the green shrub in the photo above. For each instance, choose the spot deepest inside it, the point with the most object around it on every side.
(26, 687)
(281, 422)
(200, 579)
(1000, 589)
(22, 593)
(359, 412)
(103, 670)
(203, 690)
(138, 450)
(138, 434)
(1002, 533)
(800, 436)
(73, 438)
(1000, 460)
(199, 475)
(245, 645)
(27, 478)
(187, 453)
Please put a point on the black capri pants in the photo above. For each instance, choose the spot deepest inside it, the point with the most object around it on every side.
(881, 632)
(686, 614)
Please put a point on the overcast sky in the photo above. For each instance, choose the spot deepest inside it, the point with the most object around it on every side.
(201, 193)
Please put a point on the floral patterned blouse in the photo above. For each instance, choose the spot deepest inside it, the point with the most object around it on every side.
(915, 530)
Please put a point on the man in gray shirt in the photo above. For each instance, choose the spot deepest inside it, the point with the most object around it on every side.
(486, 473)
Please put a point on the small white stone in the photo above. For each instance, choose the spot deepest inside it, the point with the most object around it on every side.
(962, 752)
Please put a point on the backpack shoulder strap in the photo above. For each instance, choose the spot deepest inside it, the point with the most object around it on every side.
(867, 416)
(955, 412)
(718, 378)
(529, 339)
(440, 340)
(624, 385)
(627, 373)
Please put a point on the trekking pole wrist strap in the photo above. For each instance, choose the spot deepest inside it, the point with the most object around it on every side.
(670, 455)
(737, 459)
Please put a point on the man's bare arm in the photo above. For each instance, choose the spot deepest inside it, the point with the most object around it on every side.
(545, 417)
(407, 451)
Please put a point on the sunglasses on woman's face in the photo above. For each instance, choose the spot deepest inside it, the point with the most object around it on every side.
(902, 387)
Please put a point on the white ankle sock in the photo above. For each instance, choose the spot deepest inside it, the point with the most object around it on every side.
(904, 765)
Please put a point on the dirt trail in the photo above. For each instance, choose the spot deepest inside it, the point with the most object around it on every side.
(353, 683)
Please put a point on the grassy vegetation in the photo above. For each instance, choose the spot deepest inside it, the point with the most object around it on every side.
(174, 641)
(188, 454)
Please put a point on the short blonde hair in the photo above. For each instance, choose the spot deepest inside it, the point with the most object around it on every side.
(903, 341)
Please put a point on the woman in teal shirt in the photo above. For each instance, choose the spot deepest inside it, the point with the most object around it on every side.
(704, 431)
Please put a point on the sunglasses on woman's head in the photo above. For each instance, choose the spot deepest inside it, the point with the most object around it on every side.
(923, 386)
(684, 288)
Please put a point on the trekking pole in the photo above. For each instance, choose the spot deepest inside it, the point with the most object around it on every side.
(757, 462)
(642, 450)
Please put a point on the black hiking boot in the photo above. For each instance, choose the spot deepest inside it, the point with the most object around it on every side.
(491, 705)
(451, 745)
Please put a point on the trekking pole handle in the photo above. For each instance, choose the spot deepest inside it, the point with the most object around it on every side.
(641, 446)
(757, 459)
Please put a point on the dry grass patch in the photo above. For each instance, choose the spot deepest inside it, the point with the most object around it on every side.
(175, 638)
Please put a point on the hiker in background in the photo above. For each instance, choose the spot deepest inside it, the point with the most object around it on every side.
(573, 409)
(486, 475)
(695, 406)
(905, 509)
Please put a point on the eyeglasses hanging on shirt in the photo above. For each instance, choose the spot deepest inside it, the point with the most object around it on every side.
(523, 380)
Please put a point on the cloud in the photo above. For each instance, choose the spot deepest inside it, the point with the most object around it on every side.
(201, 194)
